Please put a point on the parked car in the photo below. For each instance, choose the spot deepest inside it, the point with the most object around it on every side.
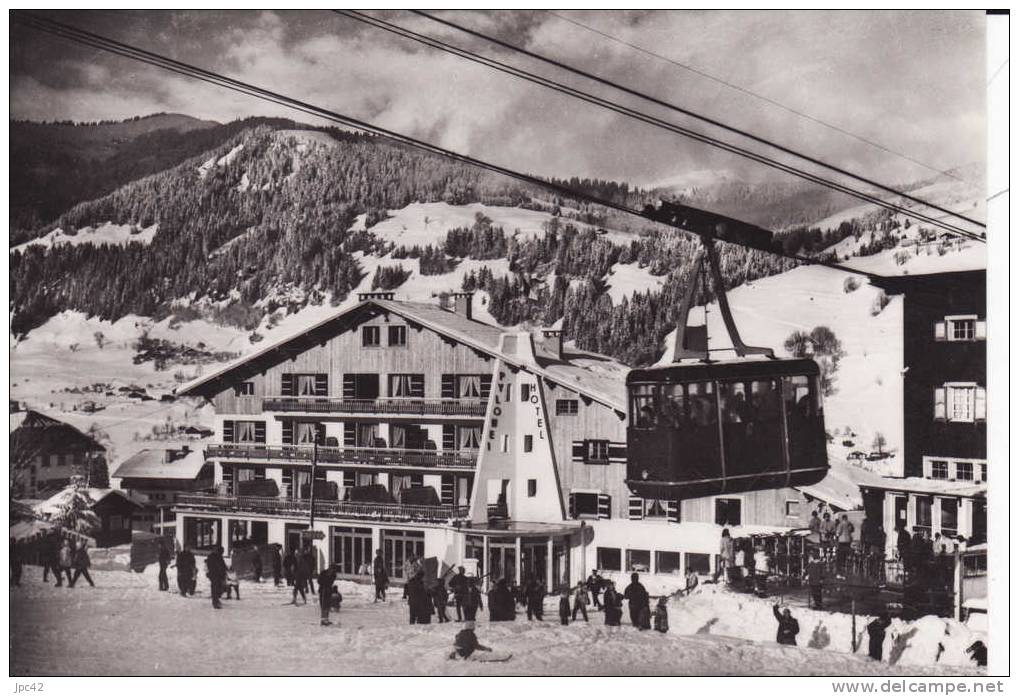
(848, 443)
(877, 456)
(857, 455)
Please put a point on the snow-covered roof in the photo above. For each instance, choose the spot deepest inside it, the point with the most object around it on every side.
(915, 484)
(596, 376)
(54, 504)
(162, 463)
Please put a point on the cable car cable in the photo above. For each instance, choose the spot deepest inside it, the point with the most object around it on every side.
(126, 50)
(652, 120)
(692, 114)
(751, 93)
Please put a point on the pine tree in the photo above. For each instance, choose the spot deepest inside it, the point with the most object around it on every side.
(76, 513)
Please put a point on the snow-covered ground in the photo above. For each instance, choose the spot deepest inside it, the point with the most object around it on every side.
(106, 233)
(124, 626)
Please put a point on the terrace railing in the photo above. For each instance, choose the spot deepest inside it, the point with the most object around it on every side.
(364, 456)
(287, 507)
(469, 408)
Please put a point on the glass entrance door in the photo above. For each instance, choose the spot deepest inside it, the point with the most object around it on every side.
(351, 549)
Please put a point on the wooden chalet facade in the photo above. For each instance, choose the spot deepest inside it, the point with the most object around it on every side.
(46, 453)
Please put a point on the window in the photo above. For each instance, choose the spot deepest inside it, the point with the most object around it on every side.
(638, 560)
(596, 451)
(949, 518)
(961, 402)
(407, 386)
(566, 407)
(699, 563)
(924, 510)
(590, 505)
(656, 510)
(525, 392)
(939, 469)
(963, 471)
(397, 335)
(609, 558)
(532, 487)
(370, 336)
(728, 511)
(249, 432)
(466, 386)
(304, 384)
(359, 386)
(469, 386)
(962, 329)
(792, 508)
(245, 389)
(528, 443)
(974, 565)
(667, 562)
(505, 443)
(644, 413)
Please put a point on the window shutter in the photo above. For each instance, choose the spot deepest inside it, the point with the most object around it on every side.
(228, 431)
(635, 509)
(288, 432)
(672, 507)
(349, 386)
(939, 403)
(486, 386)
(940, 331)
(259, 431)
(349, 434)
(288, 482)
(980, 407)
(287, 384)
(604, 507)
(417, 386)
(449, 386)
(447, 492)
(573, 506)
(448, 437)
(981, 330)
(349, 479)
(321, 385)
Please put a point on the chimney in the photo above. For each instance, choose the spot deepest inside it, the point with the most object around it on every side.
(553, 339)
(362, 296)
(462, 303)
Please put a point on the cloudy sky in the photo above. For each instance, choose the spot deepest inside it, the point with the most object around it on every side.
(913, 82)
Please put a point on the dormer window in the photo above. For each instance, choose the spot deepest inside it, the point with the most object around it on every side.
(960, 328)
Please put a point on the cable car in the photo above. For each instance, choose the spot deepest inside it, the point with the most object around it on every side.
(700, 427)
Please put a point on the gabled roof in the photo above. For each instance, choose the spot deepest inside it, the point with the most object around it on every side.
(161, 464)
(54, 504)
(915, 484)
(595, 376)
(39, 433)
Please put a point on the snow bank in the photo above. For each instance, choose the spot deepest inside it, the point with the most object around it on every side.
(713, 610)
(106, 233)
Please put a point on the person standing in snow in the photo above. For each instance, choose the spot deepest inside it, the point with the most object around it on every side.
(536, 601)
(164, 562)
(302, 577)
(289, 566)
(662, 615)
(16, 563)
(691, 580)
(788, 627)
(326, 584)
(876, 634)
(308, 559)
(828, 527)
(256, 563)
(815, 581)
(638, 602)
(381, 577)
(277, 565)
(418, 603)
(613, 605)
(471, 601)
(51, 560)
(458, 586)
(564, 607)
(81, 565)
(844, 537)
(814, 527)
(594, 586)
(185, 571)
(66, 560)
(440, 597)
(727, 556)
(215, 570)
(580, 601)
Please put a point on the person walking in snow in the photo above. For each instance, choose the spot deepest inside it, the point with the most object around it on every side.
(164, 562)
(580, 601)
(594, 586)
(326, 585)
(289, 566)
(256, 563)
(302, 577)
(536, 601)
(638, 601)
(81, 564)
(440, 597)
(788, 627)
(564, 607)
(215, 570)
(661, 615)
(876, 635)
(51, 560)
(277, 565)
(380, 577)
(418, 603)
(66, 560)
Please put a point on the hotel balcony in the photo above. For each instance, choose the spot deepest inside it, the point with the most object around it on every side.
(324, 509)
(390, 408)
(354, 457)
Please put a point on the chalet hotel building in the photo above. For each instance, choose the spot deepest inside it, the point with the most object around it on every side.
(438, 435)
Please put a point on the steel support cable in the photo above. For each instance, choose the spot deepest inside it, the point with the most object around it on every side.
(692, 114)
(125, 50)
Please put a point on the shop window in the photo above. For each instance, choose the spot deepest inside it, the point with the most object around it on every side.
(638, 560)
(699, 563)
(667, 562)
(609, 558)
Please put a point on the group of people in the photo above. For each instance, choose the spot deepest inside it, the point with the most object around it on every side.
(64, 559)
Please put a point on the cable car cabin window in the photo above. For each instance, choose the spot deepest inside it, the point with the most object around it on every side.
(645, 412)
(804, 428)
(673, 405)
(751, 426)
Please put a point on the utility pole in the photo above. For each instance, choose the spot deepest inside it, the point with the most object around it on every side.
(314, 465)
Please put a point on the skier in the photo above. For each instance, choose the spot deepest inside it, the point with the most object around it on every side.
(439, 598)
(326, 585)
(613, 604)
(594, 585)
(81, 565)
(788, 627)
(580, 601)
(564, 607)
(215, 570)
(277, 565)
(471, 601)
(164, 561)
(638, 601)
(876, 632)
(466, 643)
(662, 615)
(289, 566)
(381, 578)
(458, 586)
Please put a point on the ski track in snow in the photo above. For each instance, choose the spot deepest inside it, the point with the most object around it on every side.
(124, 626)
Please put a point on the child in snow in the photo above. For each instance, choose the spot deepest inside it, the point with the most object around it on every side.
(466, 643)
(662, 615)
(232, 585)
(564, 608)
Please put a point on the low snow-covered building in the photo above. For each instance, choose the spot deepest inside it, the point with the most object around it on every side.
(520, 438)
(154, 477)
(113, 508)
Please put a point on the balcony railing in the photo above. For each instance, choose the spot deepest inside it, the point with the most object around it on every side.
(286, 507)
(472, 408)
(364, 456)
